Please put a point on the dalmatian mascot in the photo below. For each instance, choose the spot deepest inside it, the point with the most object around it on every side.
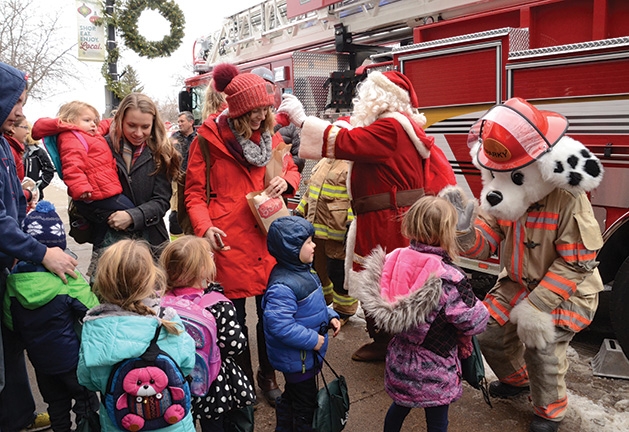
(534, 206)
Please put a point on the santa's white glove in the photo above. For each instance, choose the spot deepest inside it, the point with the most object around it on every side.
(535, 328)
(465, 207)
(295, 110)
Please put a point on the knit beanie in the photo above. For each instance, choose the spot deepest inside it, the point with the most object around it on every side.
(396, 83)
(245, 91)
(45, 225)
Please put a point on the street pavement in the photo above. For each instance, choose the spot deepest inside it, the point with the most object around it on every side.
(597, 404)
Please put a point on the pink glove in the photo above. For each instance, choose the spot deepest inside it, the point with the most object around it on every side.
(293, 108)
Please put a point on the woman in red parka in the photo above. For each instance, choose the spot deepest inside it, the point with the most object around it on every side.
(240, 141)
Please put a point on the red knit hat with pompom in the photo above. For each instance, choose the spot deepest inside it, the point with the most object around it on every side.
(245, 91)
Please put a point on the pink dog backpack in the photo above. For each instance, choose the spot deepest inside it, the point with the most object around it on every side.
(201, 325)
(148, 392)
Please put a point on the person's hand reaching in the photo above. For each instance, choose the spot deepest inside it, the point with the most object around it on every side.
(293, 108)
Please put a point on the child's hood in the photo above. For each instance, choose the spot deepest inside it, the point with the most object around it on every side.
(12, 84)
(286, 237)
(111, 334)
(35, 289)
(401, 289)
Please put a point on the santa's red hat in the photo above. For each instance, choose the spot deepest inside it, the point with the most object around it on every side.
(396, 83)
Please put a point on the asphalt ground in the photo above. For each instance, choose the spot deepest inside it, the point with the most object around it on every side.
(600, 404)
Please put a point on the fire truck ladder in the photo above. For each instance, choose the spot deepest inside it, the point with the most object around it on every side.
(265, 29)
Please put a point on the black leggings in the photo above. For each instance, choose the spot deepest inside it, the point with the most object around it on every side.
(436, 418)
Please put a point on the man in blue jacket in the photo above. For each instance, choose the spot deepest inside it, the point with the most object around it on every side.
(17, 407)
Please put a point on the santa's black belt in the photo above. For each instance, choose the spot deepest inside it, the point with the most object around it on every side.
(387, 200)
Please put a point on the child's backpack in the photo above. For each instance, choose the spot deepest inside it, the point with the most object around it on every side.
(148, 392)
(50, 142)
(201, 325)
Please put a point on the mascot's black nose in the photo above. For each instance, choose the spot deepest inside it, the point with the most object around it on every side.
(494, 198)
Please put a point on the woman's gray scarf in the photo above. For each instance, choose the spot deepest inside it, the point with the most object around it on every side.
(258, 155)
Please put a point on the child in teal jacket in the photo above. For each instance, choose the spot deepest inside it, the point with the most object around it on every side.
(123, 325)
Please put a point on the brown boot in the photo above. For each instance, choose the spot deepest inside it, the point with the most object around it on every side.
(371, 352)
(269, 387)
(376, 350)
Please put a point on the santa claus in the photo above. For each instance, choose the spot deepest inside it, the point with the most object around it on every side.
(534, 205)
(394, 163)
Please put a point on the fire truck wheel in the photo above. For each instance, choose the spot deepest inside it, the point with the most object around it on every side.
(619, 309)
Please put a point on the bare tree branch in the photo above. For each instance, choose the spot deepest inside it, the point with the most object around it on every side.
(36, 46)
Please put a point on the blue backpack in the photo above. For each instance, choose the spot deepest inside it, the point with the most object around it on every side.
(50, 142)
(148, 392)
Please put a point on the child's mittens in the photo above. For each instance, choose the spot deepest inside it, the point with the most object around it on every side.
(466, 347)
(465, 208)
(535, 328)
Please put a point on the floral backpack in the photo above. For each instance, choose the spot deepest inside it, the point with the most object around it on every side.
(201, 326)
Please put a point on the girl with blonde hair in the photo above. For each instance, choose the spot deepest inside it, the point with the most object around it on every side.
(128, 284)
(425, 302)
(190, 272)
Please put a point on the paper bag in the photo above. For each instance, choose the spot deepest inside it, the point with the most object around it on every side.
(266, 209)
(277, 166)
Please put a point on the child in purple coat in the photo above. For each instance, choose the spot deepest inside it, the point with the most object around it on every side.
(418, 295)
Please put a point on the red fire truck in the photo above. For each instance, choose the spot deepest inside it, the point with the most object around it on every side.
(569, 56)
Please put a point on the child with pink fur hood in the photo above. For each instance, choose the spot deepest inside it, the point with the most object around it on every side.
(418, 295)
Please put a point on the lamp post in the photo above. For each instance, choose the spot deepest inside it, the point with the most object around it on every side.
(111, 100)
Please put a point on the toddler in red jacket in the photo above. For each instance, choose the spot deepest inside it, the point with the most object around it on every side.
(88, 167)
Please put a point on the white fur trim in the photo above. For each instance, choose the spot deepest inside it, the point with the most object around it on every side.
(408, 128)
(312, 144)
(535, 328)
(382, 81)
(350, 243)
(403, 314)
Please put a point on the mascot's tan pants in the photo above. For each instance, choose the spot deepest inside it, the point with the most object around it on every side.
(544, 370)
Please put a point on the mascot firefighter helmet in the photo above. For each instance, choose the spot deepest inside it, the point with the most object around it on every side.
(514, 134)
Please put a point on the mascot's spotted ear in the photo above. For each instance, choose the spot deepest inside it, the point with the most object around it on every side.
(569, 165)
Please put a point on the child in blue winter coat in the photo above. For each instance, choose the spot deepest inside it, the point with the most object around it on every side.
(122, 327)
(296, 321)
(45, 314)
(418, 295)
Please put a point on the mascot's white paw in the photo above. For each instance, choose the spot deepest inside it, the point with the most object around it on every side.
(535, 328)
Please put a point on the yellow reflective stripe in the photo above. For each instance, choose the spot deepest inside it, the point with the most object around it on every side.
(350, 214)
(301, 206)
(343, 300)
(328, 289)
(335, 192)
(323, 231)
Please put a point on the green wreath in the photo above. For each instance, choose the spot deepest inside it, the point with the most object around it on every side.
(128, 24)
